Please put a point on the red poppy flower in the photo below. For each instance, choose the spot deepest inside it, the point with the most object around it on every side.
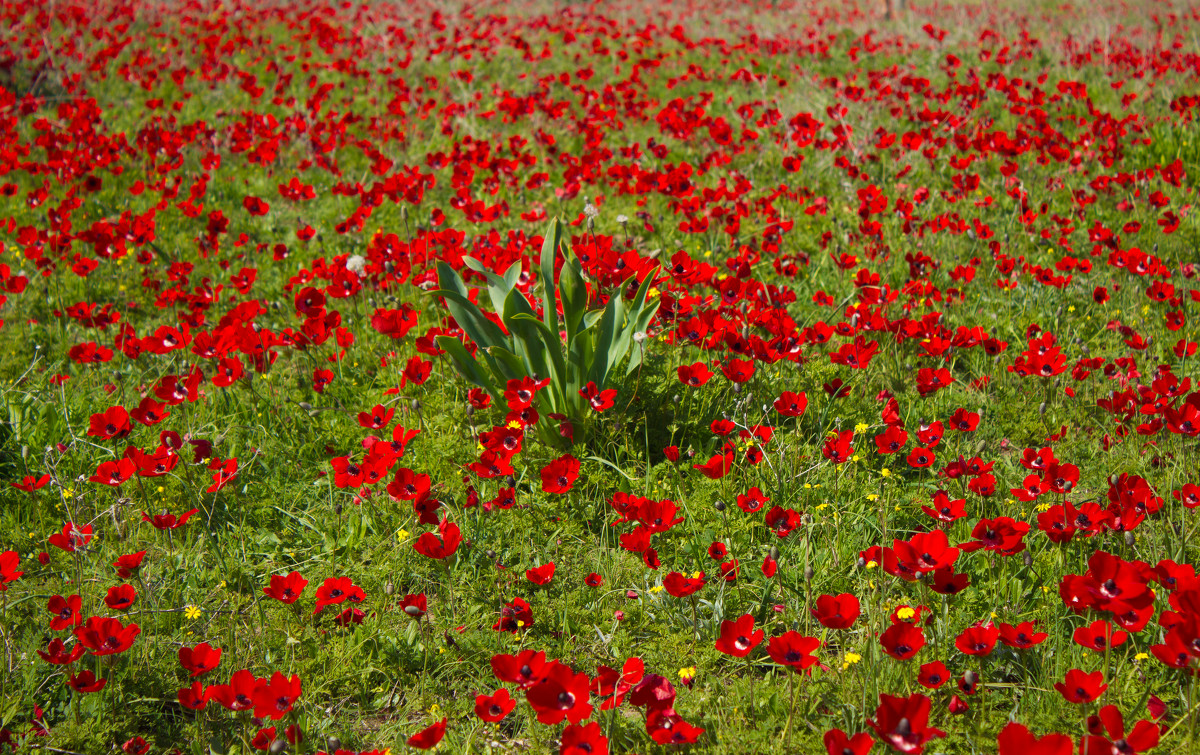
(128, 564)
(653, 692)
(694, 375)
(837, 742)
(30, 483)
(514, 616)
(56, 653)
(414, 606)
(926, 552)
(106, 636)
(666, 727)
(793, 649)
(837, 612)
(1099, 636)
(376, 419)
(680, 586)
(717, 551)
(493, 708)
(194, 697)
(738, 370)
(430, 545)
(559, 475)
(739, 637)
(718, 465)
(1144, 735)
(200, 659)
(523, 669)
(168, 521)
(945, 510)
(238, 695)
(979, 639)
(837, 446)
(614, 684)
(65, 611)
(120, 597)
(1022, 636)
(902, 641)
(1003, 535)
(1015, 739)
(933, 675)
(891, 440)
(255, 206)
(85, 682)
(337, 590)
(428, 737)
(72, 538)
(791, 404)
(593, 580)
(560, 693)
(113, 423)
(963, 421)
(274, 698)
(856, 355)
(903, 723)
(540, 575)
(1080, 688)
(752, 501)
(286, 589)
(599, 400)
(583, 740)
(9, 561)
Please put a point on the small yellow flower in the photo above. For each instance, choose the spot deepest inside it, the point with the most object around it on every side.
(861, 427)
(433, 709)
(656, 589)
(1140, 657)
(191, 612)
(906, 613)
(873, 497)
(885, 472)
(872, 564)
(401, 535)
(850, 659)
(697, 574)
(687, 675)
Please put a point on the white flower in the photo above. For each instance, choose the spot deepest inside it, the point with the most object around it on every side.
(356, 264)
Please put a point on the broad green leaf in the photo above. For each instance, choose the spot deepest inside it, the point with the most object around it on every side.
(549, 253)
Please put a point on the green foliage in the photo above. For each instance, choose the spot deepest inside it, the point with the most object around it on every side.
(586, 347)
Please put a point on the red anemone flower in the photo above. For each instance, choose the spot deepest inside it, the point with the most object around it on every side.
(493, 708)
(559, 475)
(903, 723)
(1080, 688)
(837, 612)
(739, 637)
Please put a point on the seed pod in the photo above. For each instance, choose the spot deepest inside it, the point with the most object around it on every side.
(862, 562)
(337, 509)
(1042, 409)
(774, 553)
(808, 573)
(1129, 538)
(719, 505)
(389, 588)
(1028, 558)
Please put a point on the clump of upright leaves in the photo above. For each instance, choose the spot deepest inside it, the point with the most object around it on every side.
(585, 347)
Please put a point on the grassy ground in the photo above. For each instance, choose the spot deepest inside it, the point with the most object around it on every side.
(950, 187)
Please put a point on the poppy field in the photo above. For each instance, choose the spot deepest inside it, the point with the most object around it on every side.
(597, 377)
